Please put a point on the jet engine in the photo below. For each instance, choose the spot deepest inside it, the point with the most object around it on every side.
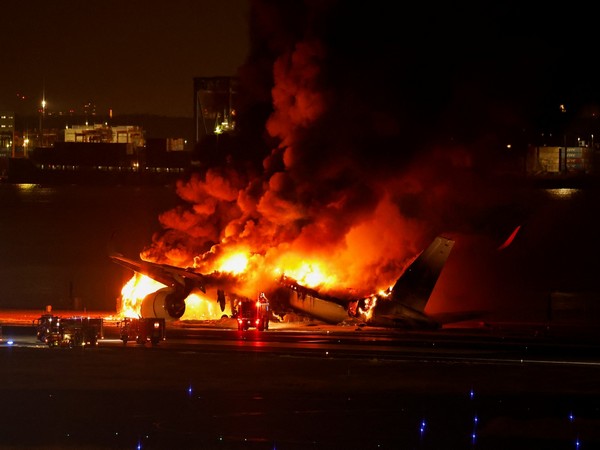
(166, 303)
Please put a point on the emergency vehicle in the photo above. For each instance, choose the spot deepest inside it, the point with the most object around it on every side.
(252, 313)
(142, 330)
(76, 331)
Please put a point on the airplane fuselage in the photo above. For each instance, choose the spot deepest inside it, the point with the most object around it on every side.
(318, 308)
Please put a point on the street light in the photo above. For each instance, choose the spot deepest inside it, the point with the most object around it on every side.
(43, 113)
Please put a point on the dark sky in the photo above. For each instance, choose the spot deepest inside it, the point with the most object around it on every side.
(134, 56)
(443, 61)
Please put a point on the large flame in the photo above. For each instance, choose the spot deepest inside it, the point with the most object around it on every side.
(198, 306)
(235, 263)
(134, 291)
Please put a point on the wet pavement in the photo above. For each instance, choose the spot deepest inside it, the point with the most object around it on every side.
(170, 397)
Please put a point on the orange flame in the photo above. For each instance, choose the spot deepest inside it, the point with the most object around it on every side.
(134, 292)
(235, 263)
(198, 305)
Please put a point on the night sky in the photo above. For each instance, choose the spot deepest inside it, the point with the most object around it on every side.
(134, 56)
(460, 65)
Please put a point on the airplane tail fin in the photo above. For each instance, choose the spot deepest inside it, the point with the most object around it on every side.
(415, 285)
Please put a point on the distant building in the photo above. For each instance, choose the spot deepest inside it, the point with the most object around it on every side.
(7, 133)
(100, 153)
(560, 160)
(132, 136)
(215, 105)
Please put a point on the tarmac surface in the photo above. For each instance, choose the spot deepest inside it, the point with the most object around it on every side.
(195, 396)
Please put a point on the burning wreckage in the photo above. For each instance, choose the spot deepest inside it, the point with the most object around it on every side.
(329, 174)
(400, 306)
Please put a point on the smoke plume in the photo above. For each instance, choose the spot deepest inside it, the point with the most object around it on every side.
(353, 150)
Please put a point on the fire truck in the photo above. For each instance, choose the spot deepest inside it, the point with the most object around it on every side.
(69, 332)
(142, 330)
(253, 313)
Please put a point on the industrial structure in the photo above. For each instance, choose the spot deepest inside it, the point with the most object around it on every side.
(53, 148)
(215, 105)
(97, 153)
(131, 135)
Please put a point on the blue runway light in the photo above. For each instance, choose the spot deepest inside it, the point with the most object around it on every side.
(571, 417)
(472, 394)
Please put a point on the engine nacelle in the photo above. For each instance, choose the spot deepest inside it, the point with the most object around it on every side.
(166, 303)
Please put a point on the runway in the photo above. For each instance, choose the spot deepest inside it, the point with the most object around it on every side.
(207, 387)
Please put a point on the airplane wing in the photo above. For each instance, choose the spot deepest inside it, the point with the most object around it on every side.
(163, 273)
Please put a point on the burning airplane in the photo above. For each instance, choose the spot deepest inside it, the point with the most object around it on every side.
(330, 182)
(402, 305)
